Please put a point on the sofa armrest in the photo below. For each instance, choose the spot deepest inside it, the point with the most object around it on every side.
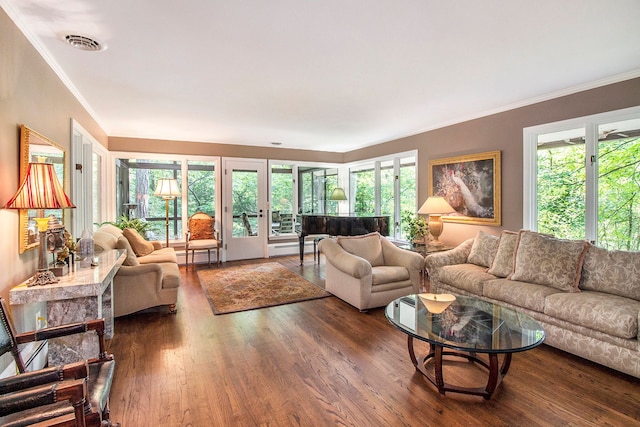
(142, 273)
(394, 255)
(156, 245)
(344, 261)
(457, 255)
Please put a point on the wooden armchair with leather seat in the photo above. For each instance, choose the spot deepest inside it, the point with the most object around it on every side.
(41, 397)
(97, 372)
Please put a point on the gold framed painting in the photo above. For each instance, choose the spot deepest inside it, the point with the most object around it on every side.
(472, 186)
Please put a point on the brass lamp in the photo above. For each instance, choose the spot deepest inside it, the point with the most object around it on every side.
(168, 189)
(40, 189)
(435, 207)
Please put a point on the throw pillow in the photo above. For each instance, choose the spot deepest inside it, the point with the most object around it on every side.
(131, 259)
(201, 229)
(484, 249)
(549, 261)
(140, 246)
(612, 272)
(502, 265)
(367, 246)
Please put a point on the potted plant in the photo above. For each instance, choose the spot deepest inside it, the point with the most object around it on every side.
(416, 226)
(140, 225)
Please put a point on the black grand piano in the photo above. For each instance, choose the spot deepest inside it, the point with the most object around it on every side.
(338, 226)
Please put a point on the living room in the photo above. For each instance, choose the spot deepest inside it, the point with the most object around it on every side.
(32, 93)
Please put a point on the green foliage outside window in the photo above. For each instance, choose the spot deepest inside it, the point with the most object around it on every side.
(562, 185)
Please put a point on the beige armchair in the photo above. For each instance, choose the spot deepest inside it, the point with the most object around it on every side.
(369, 271)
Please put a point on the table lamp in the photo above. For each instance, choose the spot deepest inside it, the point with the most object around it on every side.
(168, 189)
(435, 207)
(40, 189)
(338, 194)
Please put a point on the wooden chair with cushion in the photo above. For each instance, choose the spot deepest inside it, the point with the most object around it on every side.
(202, 236)
(98, 373)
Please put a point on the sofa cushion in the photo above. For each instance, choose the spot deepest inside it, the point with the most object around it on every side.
(388, 273)
(612, 272)
(502, 265)
(170, 275)
(162, 255)
(103, 241)
(132, 259)
(111, 229)
(484, 249)
(469, 277)
(367, 246)
(610, 314)
(520, 294)
(549, 261)
(138, 243)
(201, 228)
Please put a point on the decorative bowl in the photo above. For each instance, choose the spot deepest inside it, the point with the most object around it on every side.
(437, 303)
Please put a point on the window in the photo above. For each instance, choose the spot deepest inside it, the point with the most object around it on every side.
(201, 187)
(582, 179)
(316, 188)
(385, 187)
(407, 194)
(362, 186)
(282, 185)
(137, 180)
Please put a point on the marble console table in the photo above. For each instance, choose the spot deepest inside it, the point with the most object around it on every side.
(85, 293)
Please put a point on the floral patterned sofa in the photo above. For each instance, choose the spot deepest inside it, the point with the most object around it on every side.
(586, 298)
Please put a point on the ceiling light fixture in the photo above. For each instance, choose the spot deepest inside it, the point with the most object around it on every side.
(84, 43)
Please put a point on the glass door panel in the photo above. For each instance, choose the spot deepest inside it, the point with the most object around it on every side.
(245, 220)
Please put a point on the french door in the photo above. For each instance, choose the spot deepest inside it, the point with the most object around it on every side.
(245, 208)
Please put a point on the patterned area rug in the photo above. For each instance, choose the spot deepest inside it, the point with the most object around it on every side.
(252, 286)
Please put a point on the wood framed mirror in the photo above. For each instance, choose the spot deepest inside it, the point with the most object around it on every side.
(35, 147)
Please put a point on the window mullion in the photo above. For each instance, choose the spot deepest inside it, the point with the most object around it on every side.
(591, 191)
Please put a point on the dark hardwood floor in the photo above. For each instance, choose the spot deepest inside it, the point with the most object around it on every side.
(323, 363)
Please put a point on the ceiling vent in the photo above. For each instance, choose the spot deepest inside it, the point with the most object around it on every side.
(84, 43)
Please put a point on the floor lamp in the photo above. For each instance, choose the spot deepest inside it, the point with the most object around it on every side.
(435, 207)
(40, 190)
(168, 189)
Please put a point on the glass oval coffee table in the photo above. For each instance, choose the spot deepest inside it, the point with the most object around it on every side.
(468, 328)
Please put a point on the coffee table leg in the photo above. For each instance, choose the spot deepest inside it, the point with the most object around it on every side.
(437, 361)
(505, 364)
(493, 375)
(412, 353)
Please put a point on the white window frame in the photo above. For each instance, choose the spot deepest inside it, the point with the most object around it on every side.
(376, 162)
(529, 166)
(183, 159)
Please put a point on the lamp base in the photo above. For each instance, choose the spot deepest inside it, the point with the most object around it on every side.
(43, 277)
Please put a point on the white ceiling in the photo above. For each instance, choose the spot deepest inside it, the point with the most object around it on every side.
(331, 75)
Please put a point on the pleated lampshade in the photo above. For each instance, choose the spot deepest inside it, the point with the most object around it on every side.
(40, 189)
